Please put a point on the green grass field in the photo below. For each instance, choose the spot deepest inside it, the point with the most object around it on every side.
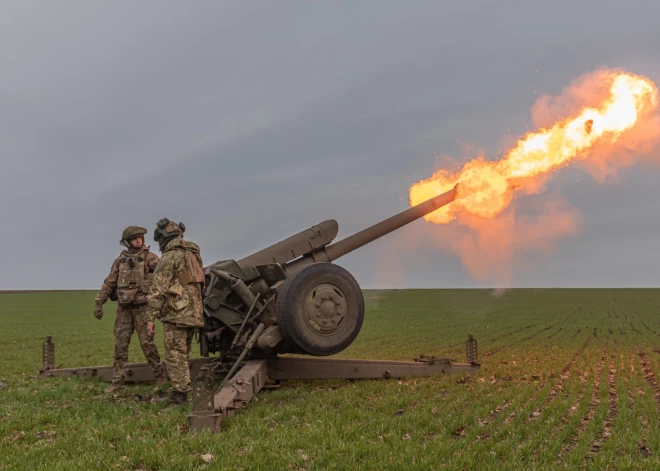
(568, 381)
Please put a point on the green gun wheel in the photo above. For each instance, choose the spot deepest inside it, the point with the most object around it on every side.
(320, 308)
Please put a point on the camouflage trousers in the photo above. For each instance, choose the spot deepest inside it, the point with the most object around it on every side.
(128, 320)
(178, 340)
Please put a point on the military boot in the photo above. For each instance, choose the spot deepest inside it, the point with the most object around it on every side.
(178, 398)
(161, 381)
(115, 386)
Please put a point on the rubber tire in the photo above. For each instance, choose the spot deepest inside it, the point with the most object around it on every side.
(289, 309)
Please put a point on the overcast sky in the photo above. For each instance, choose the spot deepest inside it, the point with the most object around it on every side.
(250, 121)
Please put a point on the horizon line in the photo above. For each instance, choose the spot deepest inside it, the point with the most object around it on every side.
(69, 290)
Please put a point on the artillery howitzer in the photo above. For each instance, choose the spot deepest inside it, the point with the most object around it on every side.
(288, 298)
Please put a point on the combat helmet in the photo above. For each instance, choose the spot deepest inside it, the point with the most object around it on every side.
(131, 232)
(167, 230)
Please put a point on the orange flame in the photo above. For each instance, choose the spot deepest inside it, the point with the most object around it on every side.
(486, 188)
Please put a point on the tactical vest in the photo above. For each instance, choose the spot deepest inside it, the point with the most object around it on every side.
(194, 270)
(133, 283)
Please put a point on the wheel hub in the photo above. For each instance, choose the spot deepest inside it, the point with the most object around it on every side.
(325, 309)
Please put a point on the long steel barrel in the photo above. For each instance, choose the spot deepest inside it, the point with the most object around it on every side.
(371, 233)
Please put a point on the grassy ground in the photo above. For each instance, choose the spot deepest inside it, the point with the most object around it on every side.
(568, 381)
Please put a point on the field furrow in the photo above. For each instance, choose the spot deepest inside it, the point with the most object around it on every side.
(566, 416)
(632, 326)
(500, 429)
(496, 337)
(566, 371)
(552, 414)
(589, 415)
(649, 375)
(568, 380)
(525, 339)
(613, 396)
(648, 328)
(643, 420)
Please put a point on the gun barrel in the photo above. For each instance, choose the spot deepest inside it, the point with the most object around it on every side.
(390, 224)
(371, 233)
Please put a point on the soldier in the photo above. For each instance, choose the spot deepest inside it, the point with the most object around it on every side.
(176, 299)
(128, 284)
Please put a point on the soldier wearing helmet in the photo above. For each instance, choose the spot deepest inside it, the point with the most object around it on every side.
(175, 298)
(128, 284)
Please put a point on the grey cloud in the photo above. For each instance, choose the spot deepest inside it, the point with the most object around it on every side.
(237, 117)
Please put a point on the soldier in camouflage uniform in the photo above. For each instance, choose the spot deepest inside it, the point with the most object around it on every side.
(176, 299)
(128, 284)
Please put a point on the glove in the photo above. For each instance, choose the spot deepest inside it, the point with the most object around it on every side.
(98, 310)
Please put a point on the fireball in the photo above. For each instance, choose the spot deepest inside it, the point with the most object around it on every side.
(486, 188)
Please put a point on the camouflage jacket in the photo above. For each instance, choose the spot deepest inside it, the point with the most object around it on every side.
(111, 282)
(176, 288)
